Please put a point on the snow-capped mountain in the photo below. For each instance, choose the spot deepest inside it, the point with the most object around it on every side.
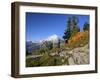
(53, 38)
(30, 46)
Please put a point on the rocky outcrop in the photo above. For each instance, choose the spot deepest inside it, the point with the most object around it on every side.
(77, 56)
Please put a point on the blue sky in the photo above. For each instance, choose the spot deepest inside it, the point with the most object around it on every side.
(40, 26)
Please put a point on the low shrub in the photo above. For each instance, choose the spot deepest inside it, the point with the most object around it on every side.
(80, 39)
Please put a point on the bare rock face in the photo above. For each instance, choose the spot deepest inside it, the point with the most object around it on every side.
(79, 55)
(76, 56)
(71, 61)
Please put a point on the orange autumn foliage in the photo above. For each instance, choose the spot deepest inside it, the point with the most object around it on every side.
(79, 39)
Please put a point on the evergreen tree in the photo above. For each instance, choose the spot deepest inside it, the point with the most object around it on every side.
(72, 27)
(50, 45)
(74, 24)
(67, 32)
(59, 43)
(86, 26)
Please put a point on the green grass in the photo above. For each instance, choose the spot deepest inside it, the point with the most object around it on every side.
(46, 60)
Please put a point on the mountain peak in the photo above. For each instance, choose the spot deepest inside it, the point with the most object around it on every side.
(52, 38)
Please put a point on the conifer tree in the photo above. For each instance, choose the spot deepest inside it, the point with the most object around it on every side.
(72, 28)
(67, 32)
(86, 26)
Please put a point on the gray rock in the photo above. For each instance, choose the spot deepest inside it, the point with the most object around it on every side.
(71, 61)
(80, 55)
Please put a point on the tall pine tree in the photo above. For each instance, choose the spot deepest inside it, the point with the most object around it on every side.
(86, 26)
(75, 27)
(67, 33)
(72, 28)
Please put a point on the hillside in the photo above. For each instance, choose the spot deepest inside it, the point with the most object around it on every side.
(75, 52)
(79, 39)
